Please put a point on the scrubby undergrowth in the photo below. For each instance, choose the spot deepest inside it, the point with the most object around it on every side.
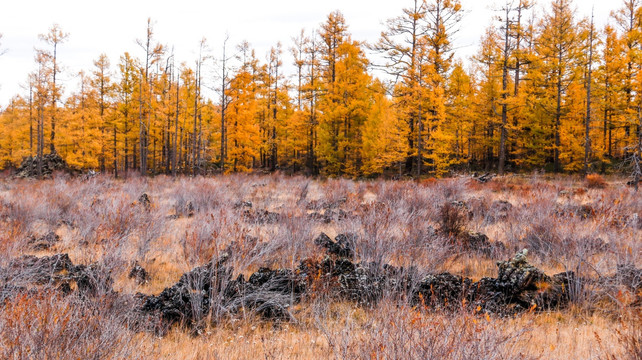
(228, 267)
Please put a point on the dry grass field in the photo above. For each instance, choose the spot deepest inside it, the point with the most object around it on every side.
(100, 309)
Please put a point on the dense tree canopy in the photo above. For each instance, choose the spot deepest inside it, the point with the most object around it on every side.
(549, 92)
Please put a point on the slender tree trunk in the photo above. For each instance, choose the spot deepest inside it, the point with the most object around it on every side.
(587, 138)
(41, 137)
(30, 119)
(54, 95)
(141, 135)
(223, 106)
(274, 117)
(518, 40)
(194, 134)
(175, 151)
(115, 154)
(558, 116)
(502, 136)
(420, 129)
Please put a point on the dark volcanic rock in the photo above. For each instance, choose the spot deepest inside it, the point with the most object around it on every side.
(324, 241)
(261, 216)
(328, 215)
(192, 297)
(144, 201)
(440, 291)
(269, 293)
(342, 247)
(484, 178)
(58, 271)
(210, 288)
(242, 204)
(44, 242)
(50, 163)
(139, 274)
(629, 276)
(479, 243)
(30, 269)
(520, 286)
(210, 291)
(499, 210)
(585, 211)
(92, 279)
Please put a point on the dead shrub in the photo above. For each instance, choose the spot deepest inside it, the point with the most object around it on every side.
(452, 219)
(394, 332)
(629, 337)
(48, 326)
(595, 181)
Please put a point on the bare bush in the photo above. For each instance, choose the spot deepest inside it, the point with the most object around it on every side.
(415, 227)
(393, 332)
(452, 219)
(595, 181)
(47, 326)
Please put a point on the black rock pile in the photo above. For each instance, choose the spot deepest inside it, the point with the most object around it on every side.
(56, 271)
(139, 274)
(50, 163)
(43, 242)
(213, 290)
(261, 216)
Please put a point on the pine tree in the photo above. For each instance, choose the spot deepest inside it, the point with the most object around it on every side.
(104, 90)
(385, 142)
(443, 18)
(53, 38)
(402, 43)
(243, 131)
(484, 135)
(559, 48)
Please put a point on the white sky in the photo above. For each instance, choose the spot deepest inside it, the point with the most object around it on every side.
(112, 27)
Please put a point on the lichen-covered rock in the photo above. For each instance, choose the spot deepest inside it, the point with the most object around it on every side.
(364, 285)
(521, 286)
(518, 274)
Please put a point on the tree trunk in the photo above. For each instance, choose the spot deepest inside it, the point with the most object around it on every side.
(587, 138)
(502, 136)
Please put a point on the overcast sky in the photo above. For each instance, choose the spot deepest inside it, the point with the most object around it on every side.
(112, 27)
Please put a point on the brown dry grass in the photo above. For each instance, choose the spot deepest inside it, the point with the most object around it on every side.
(565, 225)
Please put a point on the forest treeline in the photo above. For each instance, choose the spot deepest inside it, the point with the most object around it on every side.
(545, 90)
